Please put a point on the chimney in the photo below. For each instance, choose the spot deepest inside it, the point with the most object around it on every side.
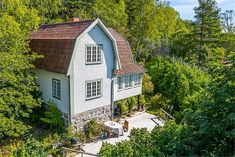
(74, 19)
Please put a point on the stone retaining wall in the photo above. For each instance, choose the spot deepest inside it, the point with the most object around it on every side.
(100, 114)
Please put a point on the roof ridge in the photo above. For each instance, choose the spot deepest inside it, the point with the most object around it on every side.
(64, 23)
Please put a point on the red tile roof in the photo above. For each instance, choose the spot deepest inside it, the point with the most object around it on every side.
(56, 43)
(68, 30)
(128, 66)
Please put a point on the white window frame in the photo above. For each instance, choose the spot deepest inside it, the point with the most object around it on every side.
(120, 82)
(137, 80)
(95, 52)
(56, 88)
(128, 81)
(93, 89)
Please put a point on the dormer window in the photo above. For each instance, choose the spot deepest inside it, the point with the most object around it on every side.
(93, 54)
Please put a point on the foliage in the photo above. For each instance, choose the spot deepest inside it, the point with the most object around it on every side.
(131, 102)
(177, 82)
(30, 148)
(228, 43)
(228, 21)
(140, 139)
(142, 100)
(79, 134)
(159, 101)
(106, 150)
(182, 43)
(112, 8)
(48, 10)
(150, 25)
(52, 117)
(92, 129)
(122, 104)
(83, 10)
(207, 30)
(214, 122)
(16, 84)
(147, 85)
(215, 56)
(172, 140)
(208, 130)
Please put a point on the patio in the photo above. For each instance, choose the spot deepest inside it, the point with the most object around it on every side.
(139, 120)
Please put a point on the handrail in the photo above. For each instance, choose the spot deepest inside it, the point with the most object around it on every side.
(78, 151)
(167, 114)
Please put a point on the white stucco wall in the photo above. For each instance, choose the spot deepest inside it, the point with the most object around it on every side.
(44, 79)
(80, 72)
(125, 93)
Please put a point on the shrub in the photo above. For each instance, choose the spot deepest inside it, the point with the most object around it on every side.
(92, 129)
(70, 133)
(159, 101)
(147, 85)
(122, 104)
(132, 102)
(53, 118)
(30, 148)
(142, 102)
(106, 150)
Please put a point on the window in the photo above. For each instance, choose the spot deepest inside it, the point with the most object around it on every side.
(120, 82)
(93, 54)
(93, 89)
(137, 80)
(56, 88)
(128, 81)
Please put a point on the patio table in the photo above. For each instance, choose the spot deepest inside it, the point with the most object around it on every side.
(118, 128)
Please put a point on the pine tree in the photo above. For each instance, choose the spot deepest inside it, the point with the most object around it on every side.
(207, 29)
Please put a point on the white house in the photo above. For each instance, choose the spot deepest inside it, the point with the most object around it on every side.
(85, 69)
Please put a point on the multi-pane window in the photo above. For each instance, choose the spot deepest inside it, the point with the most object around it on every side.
(120, 82)
(93, 89)
(128, 81)
(56, 88)
(137, 80)
(93, 54)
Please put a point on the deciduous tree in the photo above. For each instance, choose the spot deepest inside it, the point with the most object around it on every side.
(16, 83)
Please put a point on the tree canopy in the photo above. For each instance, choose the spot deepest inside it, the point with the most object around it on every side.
(16, 84)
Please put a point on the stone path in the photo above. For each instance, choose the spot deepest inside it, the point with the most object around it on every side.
(139, 120)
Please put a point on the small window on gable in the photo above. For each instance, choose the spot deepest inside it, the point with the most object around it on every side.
(56, 88)
(93, 54)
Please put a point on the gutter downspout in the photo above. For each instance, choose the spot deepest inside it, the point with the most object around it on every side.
(69, 100)
(112, 98)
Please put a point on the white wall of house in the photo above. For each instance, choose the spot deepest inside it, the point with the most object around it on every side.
(44, 79)
(80, 72)
(125, 93)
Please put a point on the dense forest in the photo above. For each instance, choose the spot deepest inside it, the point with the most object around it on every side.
(189, 64)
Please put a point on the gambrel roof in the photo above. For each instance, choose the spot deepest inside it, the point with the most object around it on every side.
(128, 66)
(56, 43)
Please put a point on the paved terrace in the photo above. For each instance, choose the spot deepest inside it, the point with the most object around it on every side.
(139, 120)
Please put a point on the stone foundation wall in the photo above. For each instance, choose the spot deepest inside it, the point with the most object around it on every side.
(100, 114)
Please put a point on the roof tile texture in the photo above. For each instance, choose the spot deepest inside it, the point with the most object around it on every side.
(56, 43)
(128, 66)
